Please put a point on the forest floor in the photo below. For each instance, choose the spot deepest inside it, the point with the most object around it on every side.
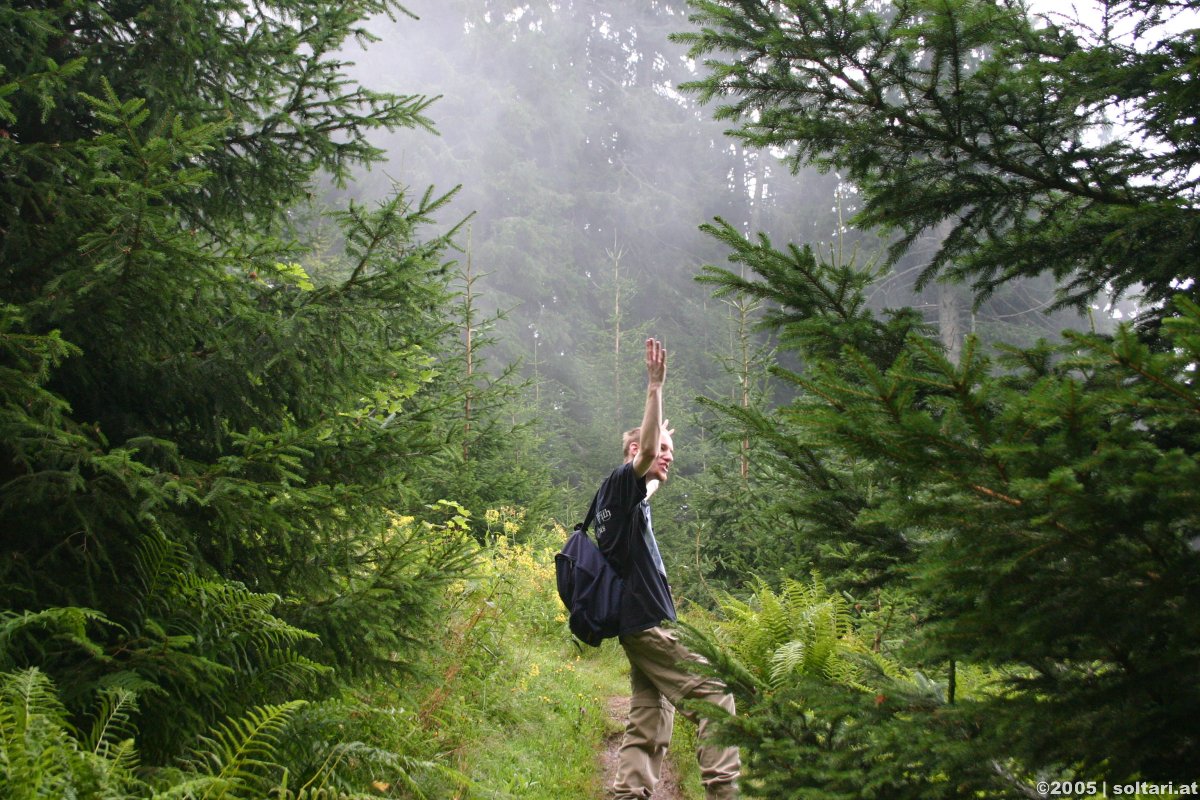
(668, 787)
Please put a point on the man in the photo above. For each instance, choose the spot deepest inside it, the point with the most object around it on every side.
(626, 537)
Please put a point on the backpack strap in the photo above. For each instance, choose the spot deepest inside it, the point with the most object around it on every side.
(591, 512)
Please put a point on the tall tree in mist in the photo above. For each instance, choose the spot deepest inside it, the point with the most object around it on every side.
(1040, 505)
(563, 122)
(205, 426)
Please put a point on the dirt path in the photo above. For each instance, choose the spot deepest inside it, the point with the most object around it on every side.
(668, 786)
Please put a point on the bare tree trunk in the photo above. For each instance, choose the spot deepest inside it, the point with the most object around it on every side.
(744, 341)
(757, 200)
(950, 319)
(759, 196)
(616, 253)
(952, 301)
(468, 334)
(537, 381)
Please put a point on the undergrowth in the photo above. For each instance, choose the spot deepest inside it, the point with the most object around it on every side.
(513, 705)
(505, 705)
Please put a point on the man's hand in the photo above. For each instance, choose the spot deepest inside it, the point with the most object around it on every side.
(656, 362)
(651, 433)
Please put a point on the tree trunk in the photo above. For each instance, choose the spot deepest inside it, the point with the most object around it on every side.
(468, 335)
(951, 314)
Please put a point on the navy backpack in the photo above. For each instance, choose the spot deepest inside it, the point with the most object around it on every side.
(588, 586)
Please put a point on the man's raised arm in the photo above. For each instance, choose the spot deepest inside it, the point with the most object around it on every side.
(651, 428)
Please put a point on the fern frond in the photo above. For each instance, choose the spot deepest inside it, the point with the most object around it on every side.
(119, 759)
(228, 606)
(160, 566)
(288, 670)
(241, 751)
(36, 748)
(128, 681)
(67, 623)
(112, 726)
(786, 661)
(31, 696)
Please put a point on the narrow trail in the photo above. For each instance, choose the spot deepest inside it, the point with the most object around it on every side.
(668, 786)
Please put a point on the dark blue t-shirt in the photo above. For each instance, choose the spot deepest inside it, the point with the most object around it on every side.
(625, 535)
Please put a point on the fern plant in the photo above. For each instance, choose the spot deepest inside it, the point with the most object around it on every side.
(42, 755)
(804, 629)
(823, 714)
(237, 758)
(194, 649)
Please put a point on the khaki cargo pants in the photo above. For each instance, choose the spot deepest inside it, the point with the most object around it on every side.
(658, 682)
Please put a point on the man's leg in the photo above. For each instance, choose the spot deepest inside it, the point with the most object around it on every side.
(647, 735)
(657, 653)
(719, 766)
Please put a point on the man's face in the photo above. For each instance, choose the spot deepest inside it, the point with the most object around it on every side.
(662, 463)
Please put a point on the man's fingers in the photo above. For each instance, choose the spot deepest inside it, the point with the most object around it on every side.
(655, 354)
(656, 359)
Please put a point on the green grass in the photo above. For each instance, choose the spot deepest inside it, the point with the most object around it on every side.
(513, 705)
(542, 740)
(543, 736)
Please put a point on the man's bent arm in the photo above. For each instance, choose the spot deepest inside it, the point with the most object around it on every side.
(651, 429)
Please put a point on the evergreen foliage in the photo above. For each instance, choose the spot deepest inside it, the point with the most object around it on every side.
(1058, 466)
(802, 486)
(501, 459)
(824, 713)
(1030, 512)
(43, 755)
(976, 113)
(208, 428)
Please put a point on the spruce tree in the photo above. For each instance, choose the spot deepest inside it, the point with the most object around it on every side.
(1014, 149)
(206, 428)
(1038, 500)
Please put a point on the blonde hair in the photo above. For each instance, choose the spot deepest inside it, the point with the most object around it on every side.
(632, 436)
(628, 439)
